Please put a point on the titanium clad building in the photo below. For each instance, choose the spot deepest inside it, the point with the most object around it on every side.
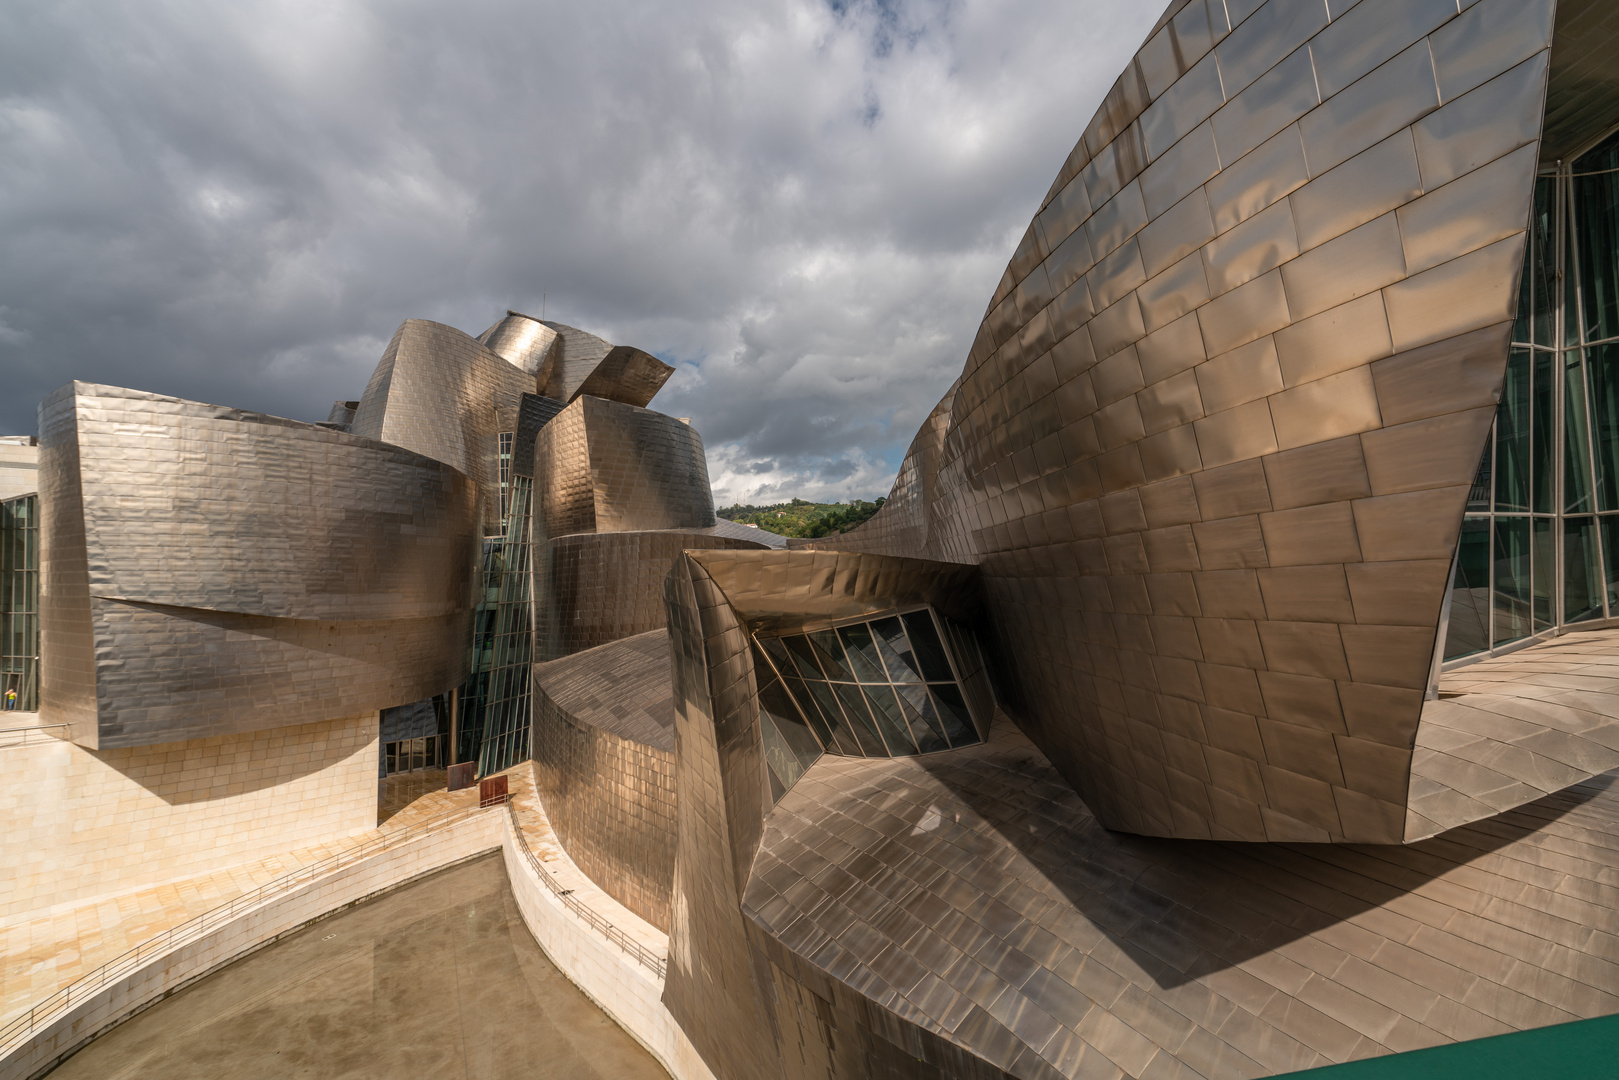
(1228, 687)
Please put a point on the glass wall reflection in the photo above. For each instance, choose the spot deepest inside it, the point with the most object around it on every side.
(1540, 544)
(888, 686)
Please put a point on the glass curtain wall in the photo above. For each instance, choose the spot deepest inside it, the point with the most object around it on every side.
(1539, 546)
(507, 656)
(881, 687)
(19, 604)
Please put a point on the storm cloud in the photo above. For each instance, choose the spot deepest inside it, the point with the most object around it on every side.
(803, 206)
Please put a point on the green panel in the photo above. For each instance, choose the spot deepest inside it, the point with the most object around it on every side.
(1512, 437)
(1577, 497)
(1582, 576)
(1511, 594)
(1469, 627)
(1577, 1051)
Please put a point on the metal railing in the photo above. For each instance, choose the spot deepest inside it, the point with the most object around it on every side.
(19, 1030)
(643, 955)
(25, 736)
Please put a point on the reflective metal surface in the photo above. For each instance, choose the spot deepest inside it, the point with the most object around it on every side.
(604, 756)
(1214, 503)
(207, 570)
(604, 466)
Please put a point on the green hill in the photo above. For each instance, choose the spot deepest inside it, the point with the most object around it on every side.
(800, 518)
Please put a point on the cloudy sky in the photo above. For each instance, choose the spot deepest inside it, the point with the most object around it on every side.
(804, 205)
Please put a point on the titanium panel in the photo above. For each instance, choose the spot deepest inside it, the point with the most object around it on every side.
(604, 466)
(626, 374)
(208, 570)
(437, 392)
(521, 340)
(1307, 260)
(600, 587)
(604, 764)
(965, 915)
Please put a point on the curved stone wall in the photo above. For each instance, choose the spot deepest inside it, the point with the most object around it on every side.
(604, 765)
(209, 571)
(1213, 440)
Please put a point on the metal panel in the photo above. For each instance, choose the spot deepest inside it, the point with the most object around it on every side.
(1316, 333)
(209, 571)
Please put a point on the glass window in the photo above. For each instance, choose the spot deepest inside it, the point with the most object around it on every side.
(1577, 496)
(1512, 437)
(1595, 219)
(1468, 631)
(1511, 593)
(876, 687)
(1582, 574)
(929, 651)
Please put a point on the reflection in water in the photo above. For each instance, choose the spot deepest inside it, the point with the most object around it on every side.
(439, 978)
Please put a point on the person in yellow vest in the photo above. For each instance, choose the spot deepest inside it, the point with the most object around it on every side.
(11, 700)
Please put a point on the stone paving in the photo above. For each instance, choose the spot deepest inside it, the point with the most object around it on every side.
(45, 953)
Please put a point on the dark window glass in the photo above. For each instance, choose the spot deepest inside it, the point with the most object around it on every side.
(1543, 441)
(854, 707)
(890, 720)
(1582, 577)
(896, 650)
(958, 723)
(1511, 579)
(774, 700)
(812, 711)
(1596, 219)
(1543, 256)
(845, 740)
(829, 651)
(1577, 495)
(923, 717)
(862, 653)
(1602, 368)
(798, 647)
(1512, 437)
(1543, 551)
(784, 764)
(1478, 496)
(930, 653)
(1610, 557)
(1469, 627)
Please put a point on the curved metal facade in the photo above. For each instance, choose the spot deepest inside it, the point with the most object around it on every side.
(1214, 438)
(604, 764)
(208, 570)
(604, 466)
(436, 392)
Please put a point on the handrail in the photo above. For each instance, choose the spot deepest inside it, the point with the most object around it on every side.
(24, 732)
(23, 1027)
(645, 956)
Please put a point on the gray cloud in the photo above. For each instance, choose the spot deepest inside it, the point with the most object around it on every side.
(804, 206)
